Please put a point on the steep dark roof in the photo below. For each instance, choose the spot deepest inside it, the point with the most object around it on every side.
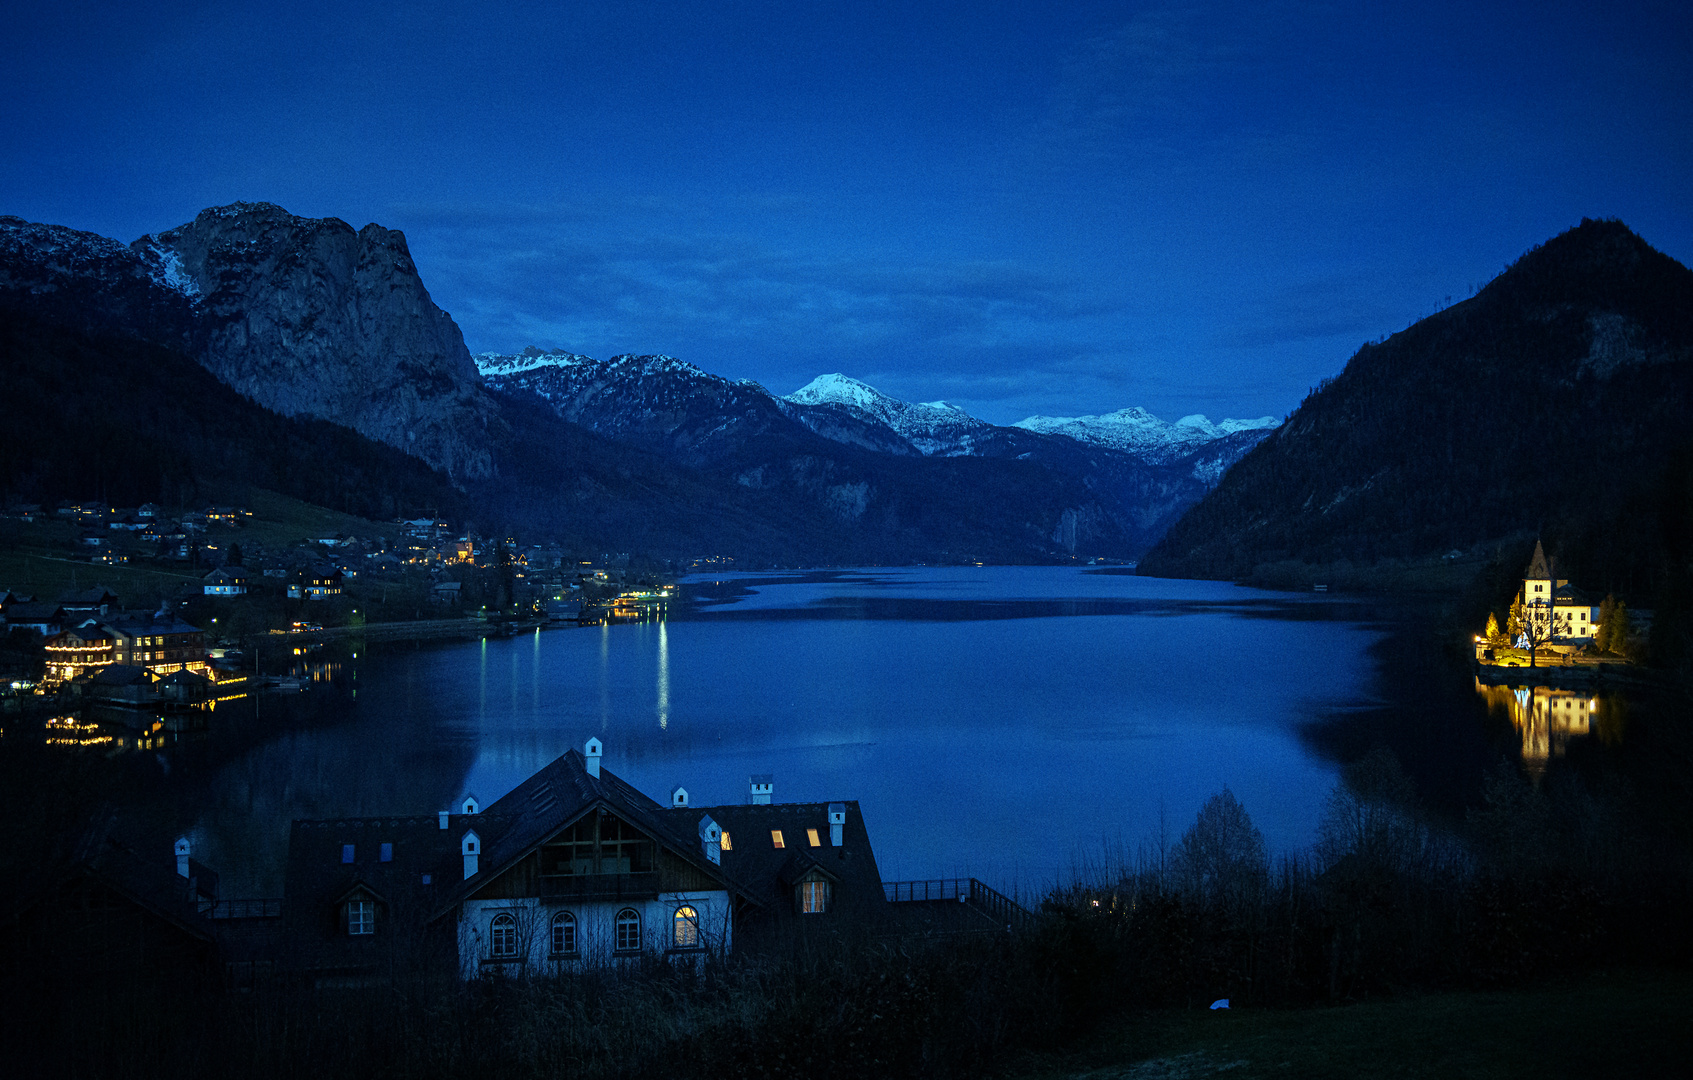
(318, 880)
(121, 675)
(555, 797)
(767, 873)
(1538, 566)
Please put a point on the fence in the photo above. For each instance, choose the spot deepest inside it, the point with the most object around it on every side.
(1003, 910)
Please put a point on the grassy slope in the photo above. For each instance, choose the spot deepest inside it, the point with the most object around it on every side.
(40, 560)
(1623, 1024)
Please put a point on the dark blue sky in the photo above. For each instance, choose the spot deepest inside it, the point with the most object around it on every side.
(1192, 207)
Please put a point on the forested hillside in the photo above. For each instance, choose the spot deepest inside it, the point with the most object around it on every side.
(1554, 402)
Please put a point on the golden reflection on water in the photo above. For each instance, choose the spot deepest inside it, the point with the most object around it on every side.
(1548, 718)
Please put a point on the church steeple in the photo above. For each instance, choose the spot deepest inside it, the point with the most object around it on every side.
(1539, 568)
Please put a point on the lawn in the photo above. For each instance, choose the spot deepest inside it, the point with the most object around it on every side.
(1617, 1024)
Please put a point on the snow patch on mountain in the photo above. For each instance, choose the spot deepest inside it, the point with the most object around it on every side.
(166, 267)
(933, 427)
(1136, 431)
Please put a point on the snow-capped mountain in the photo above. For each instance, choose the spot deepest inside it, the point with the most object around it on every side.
(933, 427)
(1136, 431)
(657, 402)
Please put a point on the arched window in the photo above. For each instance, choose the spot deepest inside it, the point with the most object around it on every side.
(504, 936)
(564, 934)
(628, 930)
(687, 928)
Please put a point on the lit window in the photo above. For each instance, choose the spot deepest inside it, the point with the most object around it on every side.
(811, 834)
(687, 928)
(776, 837)
(726, 845)
(361, 918)
(504, 936)
(346, 853)
(628, 930)
(564, 933)
(813, 897)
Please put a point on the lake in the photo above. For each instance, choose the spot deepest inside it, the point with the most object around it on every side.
(1010, 723)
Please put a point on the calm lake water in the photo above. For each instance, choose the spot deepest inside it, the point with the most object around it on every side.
(1006, 723)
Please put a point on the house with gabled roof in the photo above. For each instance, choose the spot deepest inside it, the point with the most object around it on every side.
(573, 867)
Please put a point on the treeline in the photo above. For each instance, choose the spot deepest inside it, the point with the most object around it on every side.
(126, 422)
(1539, 882)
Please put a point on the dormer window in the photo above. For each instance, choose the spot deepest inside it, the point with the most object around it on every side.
(813, 897)
(361, 918)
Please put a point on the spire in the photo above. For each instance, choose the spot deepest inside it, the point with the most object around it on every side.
(1539, 568)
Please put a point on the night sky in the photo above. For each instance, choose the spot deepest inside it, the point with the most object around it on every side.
(1019, 208)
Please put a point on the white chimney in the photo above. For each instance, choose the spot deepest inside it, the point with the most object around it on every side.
(761, 788)
(679, 797)
(441, 817)
(471, 846)
(711, 838)
(470, 805)
(837, 822)
(182, 856)
(591, 754)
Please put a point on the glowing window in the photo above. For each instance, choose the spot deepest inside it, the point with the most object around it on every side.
(628, 930)
(361, 918)
(504, 936)
(776, 837)
(564, 933)
(813, 897)
(687, 928)
(726, 845)
(811, 834)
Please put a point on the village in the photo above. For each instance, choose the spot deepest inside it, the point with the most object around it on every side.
(189, 608)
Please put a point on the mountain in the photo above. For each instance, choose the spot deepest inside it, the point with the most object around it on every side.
(305, 316)
(928, 429)
(1136, 431)
(1553, 402)
(331, 329)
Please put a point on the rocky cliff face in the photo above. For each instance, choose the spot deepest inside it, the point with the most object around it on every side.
(309, 317)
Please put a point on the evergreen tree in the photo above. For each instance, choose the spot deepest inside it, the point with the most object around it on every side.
(1493, 635)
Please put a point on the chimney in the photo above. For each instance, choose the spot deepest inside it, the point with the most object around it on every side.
(441, 817)
(182, 856)
(591, 754)
(470, 805)
(711, 839)
(837, 822)
(679, 798)
(760, 789)
(471, 846)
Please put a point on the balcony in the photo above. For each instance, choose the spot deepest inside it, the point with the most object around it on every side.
(643, 885)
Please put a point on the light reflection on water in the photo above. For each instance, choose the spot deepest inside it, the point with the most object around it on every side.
(1548, 718)
(1000, 722)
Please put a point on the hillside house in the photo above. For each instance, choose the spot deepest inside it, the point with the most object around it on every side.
(226, 581)
(321, 582)
(573, 867)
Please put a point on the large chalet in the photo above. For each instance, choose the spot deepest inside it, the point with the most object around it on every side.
(574, 866)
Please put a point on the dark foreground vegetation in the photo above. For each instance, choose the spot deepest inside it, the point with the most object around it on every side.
(1540, 886)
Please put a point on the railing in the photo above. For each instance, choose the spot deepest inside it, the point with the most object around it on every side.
(242, 909)
(939, 889)
(602, 886)
(1003, 910)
